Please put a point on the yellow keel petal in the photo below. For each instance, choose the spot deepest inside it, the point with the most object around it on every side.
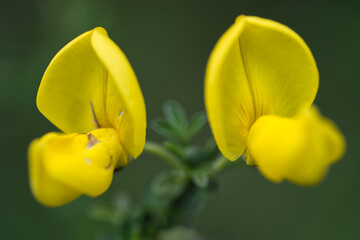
(298, 149)
(74, 164)
(46, 189)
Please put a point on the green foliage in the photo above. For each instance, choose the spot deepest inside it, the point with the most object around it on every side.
(168, 185)
(200, 178)
(175, 114)
(174, 197)
(176, 126)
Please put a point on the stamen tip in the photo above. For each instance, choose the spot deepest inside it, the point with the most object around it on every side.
(92, 141)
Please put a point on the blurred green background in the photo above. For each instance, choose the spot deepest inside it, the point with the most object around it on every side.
(168, 43)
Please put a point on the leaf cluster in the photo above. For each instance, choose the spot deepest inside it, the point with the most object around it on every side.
(176, 126)
(174, 197)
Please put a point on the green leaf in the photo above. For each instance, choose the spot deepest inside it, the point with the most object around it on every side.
(168, 185)
(163, 128)
(175, 126)
(174, 148)
(175, 114)
(197, 121)
(200, 178)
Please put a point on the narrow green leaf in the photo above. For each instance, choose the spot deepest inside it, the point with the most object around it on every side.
(197, 121)
(174, 148)
(163, 128)
(175, 114)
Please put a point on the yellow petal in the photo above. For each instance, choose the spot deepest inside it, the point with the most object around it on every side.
(83, 163)
(249, 161)
(298, 149)
(228, 98)
(257, 67)
(335, 141)
(90, 84)
(70, 83)
(123, 92)
(46, 189)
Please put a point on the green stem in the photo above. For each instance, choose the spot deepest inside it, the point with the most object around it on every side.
(222, 163)
(158, 150)
(219, 164)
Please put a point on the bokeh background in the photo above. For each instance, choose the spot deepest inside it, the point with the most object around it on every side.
(168, 43)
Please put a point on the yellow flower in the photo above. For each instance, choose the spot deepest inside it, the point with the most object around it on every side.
(90, 92)
(261, 80)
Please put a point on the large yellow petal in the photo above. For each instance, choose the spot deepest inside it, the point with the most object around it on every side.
(298, 149)
(257, 67)
(90, 84)
(280, 68)
(70, 83)
(123, 92)
(228, 98)
(75, 164)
